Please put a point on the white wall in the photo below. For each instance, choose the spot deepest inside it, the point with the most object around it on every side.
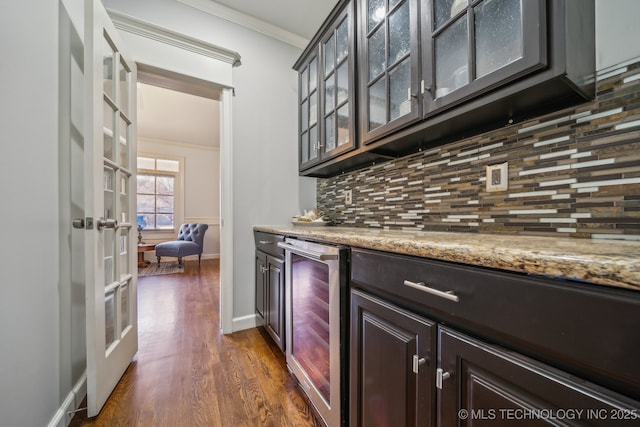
(201, 190)
(29, 288)
(617, 31)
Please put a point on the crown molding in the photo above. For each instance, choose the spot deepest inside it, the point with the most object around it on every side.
(247, 21)
(145, 29)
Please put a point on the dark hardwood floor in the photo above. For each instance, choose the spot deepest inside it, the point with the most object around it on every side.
(186, 373)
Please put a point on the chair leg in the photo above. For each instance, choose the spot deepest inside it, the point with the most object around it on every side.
(199, 257)
(179, 262)
(158, 261)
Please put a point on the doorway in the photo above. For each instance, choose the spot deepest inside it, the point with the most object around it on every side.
(163, 78)
(179, 142)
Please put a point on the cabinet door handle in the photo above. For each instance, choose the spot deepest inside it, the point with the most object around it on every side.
(448, 295)
(426, 87)
(440, 377)
(417, 361)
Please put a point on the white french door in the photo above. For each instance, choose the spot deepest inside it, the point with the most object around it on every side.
(110, 206)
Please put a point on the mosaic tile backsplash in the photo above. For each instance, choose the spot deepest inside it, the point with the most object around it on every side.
(572, 173)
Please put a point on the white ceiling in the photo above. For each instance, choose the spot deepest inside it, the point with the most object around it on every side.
(168, 115)
(301, 17)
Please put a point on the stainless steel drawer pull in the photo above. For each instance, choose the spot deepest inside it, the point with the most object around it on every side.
(449, 295)
(417, 361)
(265, 242)
(440, 377)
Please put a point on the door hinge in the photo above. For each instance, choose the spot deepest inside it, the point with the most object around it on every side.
(417, 361)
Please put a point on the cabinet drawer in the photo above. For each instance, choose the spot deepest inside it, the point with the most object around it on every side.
(585, 329)
(268, 243)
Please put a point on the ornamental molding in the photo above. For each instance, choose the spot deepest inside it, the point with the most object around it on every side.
(150, 31)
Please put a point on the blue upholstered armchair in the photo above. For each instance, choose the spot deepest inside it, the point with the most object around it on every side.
(190, 241)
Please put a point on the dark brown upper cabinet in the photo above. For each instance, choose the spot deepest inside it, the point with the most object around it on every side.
(326, 90)
(471, 47)
(389, 66)
(491, 63)
(429, 72)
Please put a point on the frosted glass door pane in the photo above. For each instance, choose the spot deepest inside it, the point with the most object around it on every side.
(329, 55)
(304, 83)
(447, 9)
(343, 125)
(393, 3)
(125, 307)
(109, 192)
(313, 109)
(304, 115)
(399, 33)
(124, 143)
(304, 144)
(451, 58)
(342, 41)
(377, 104)
(108, 57)
(399, 87)
(109, 255)
(376, 12)
(313, 75)
(342, 83)
(330, 92)
(123, 79)
(124, 252)
(498, 34)
(108, 126)
(330, 139)
(124, 198)
(313, 142)
(377, 53)
(109, 319)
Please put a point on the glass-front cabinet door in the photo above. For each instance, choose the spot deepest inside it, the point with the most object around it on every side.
(472, 46)
(308, 112)
(338, 106)
(326, 96)
(388, 48)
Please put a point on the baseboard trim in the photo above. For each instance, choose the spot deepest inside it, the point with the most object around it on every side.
(244, 322)
(64, 414)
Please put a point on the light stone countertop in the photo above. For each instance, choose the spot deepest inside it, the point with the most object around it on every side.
(605, 262)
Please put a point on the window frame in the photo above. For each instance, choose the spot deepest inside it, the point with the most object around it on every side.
(178, 193)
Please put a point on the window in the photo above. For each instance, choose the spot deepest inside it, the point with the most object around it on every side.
(156, 193)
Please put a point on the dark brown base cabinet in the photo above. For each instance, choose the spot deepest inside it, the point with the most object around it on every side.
(392, 360)
(270, 286)
(491, 349)
(485, 385)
